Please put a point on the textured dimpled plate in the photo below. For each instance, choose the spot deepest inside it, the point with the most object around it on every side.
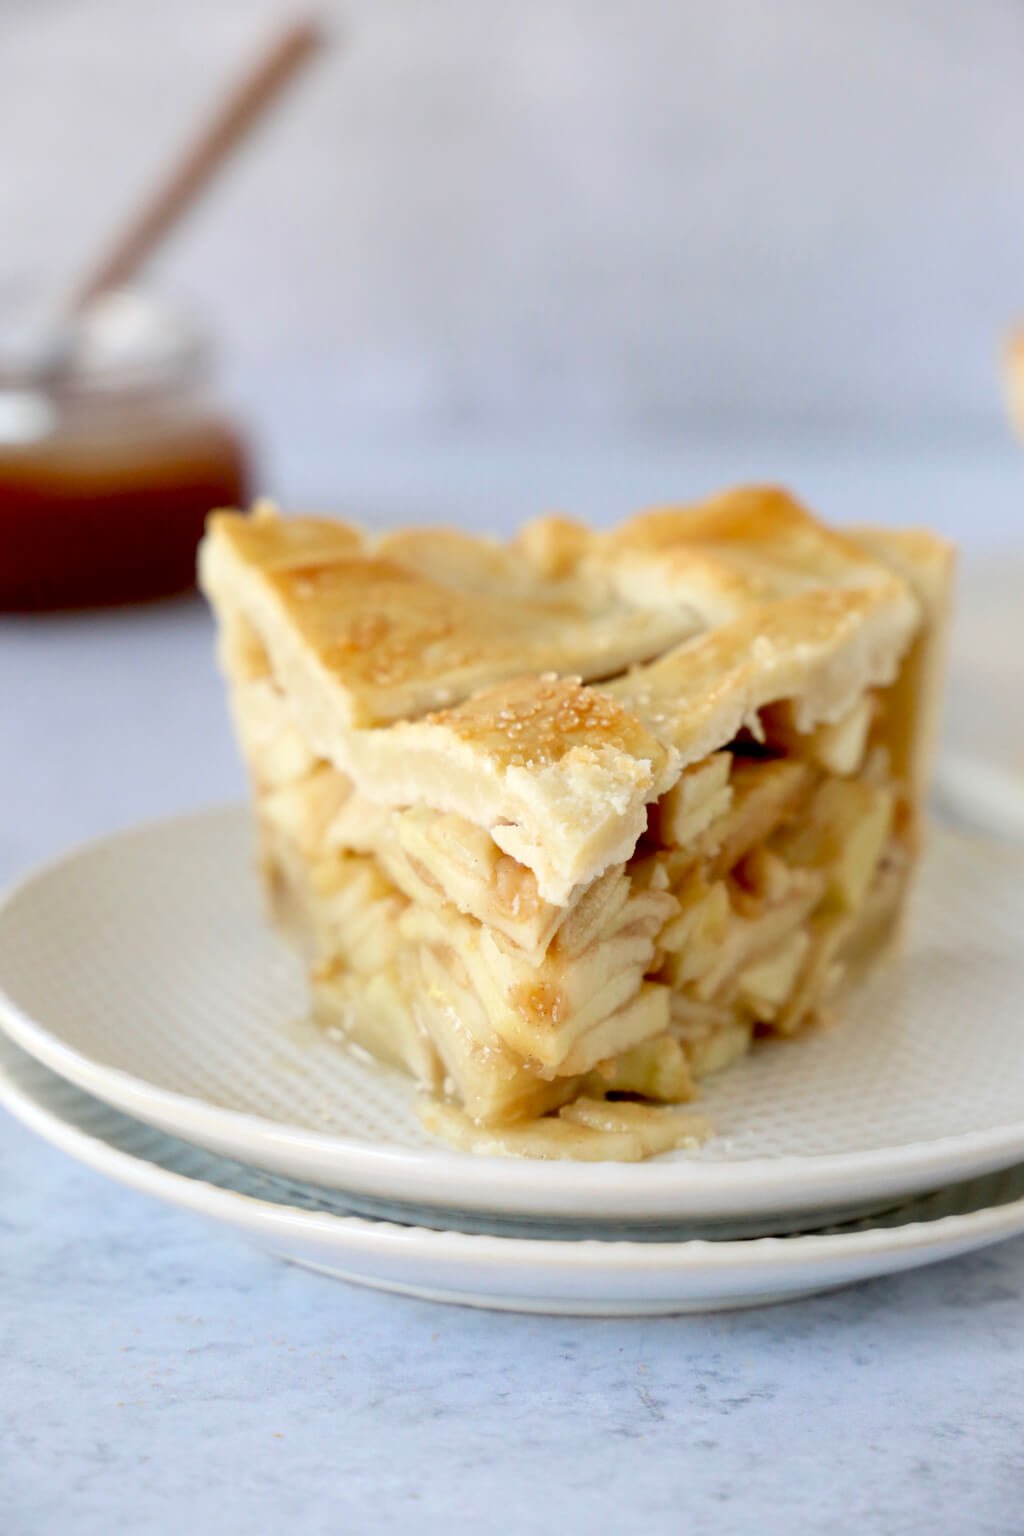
(141, 968)
(564, 1272)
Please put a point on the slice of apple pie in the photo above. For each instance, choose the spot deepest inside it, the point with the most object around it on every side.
(563, 824)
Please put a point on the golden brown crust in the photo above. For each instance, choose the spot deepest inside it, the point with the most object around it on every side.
(279, 544)
(816, 648)
(442, 669)
(426, 618)
(755, 544)
(534, 722)
(927, 563)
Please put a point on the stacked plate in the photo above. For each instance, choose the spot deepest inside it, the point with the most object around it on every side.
(155, 1030)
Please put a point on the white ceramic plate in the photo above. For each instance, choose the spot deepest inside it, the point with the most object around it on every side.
(140, 968)
(583, 1277)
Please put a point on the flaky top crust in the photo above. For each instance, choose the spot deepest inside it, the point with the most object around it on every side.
(424, 618)
(448, 670)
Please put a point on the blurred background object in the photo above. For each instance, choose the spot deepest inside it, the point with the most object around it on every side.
(233, 117)
(110, 457)
(110, 460)
(556, 223)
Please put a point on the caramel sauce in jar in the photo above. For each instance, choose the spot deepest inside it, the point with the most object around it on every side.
(110, 463)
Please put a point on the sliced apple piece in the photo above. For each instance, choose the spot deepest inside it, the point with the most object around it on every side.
(699, 925)
(701, 796)
(749, 939)
(765, 985)
(302, 808)
(551, 1137)
(654, 1069)
(721, 1048)
(765, 793)
(838, 746)
(657, 1127)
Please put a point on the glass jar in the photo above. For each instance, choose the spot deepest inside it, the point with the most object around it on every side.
(111, 456)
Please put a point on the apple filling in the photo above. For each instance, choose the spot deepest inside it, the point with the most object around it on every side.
(572, 1030)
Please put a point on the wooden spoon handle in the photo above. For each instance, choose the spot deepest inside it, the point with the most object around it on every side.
(229, 124)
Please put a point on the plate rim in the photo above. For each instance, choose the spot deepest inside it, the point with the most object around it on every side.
(492, 1184)
(979, 1226)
